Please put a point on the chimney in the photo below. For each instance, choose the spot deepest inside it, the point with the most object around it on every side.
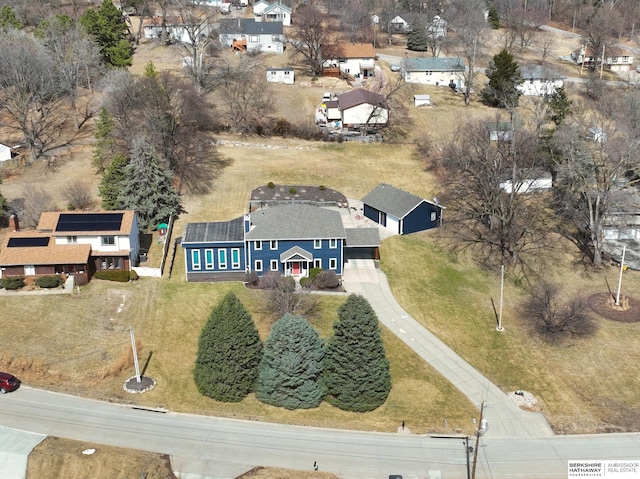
(13, 223)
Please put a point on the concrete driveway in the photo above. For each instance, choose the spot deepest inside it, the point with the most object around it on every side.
(15, 447)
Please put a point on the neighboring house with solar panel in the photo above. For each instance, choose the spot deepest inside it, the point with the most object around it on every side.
(72, 242)
(401, 212)
(288, 239)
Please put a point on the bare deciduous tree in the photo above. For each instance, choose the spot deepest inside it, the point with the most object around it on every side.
(32, 94)
(553, 319)
(35, 201)
(310, 36)
(244, 92)
(591, 154)
(489, 186)
(78, 195)
(470, 30)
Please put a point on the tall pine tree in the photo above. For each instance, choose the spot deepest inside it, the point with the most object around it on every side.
(108, 28)
(290, 373)
(504, 78)
(147, 187)
(112, 182)
(229, 351)
(104, 148)
(356, 369)
(417, 38)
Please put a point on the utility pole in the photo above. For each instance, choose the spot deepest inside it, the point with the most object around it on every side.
(481, 429)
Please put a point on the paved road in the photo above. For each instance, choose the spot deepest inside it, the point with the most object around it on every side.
(221, 448)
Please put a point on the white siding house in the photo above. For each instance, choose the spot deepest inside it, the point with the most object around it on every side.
(434, 71)
(276, 12)
(539, 81)
(281, 75)
(362, 107)
(616, 59)
(356, 59)
(266, 37)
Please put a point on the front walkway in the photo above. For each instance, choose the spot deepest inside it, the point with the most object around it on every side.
(505, 418)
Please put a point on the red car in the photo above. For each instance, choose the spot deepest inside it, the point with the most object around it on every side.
(8, 383)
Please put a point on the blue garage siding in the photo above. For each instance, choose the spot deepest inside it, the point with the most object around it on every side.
(372, 213)
(420, 218)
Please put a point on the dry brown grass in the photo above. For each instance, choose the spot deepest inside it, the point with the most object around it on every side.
(56, 457)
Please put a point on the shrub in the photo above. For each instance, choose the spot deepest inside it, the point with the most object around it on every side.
(13, 282)
(271, 185)
(306, 282)
(133, 276)
(282, 127)
(313, 274)
(292, 190)
(121, 276)
(322, 187)
(555, 319)
(251, 278)
(48, 281)
(327, 279)
(340, 139)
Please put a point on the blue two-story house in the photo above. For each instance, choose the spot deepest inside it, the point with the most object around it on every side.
(289, 239)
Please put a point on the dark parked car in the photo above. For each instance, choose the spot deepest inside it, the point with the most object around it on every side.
(8, 383)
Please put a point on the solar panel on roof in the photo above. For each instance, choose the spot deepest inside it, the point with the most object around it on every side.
(89, 222)
(28, 242)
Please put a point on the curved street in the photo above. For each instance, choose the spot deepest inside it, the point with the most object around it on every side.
(221, 448)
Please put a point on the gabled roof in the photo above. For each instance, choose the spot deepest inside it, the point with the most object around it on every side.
(295, 221)
(275, 7)
(248, 26)
(22, 253)
(539, 72)
(358, 97)
(398, 19)
(88, 223)
(296, 254)
(354, 50)
(433, 64)
(393, 200)
(224, 231)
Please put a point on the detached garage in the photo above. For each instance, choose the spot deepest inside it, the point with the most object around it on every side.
(401, 212)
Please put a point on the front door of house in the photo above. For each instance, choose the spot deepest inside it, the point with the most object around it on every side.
(295, 266)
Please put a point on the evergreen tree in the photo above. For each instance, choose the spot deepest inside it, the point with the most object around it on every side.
(559, 106)
(356, 369)
(104, 147)
(493, 17)
(112, 182)
(110, 31)
(290, 372)
(229, 351)
(504, 77)
(417, 40)
(147, 187)
(8, 19)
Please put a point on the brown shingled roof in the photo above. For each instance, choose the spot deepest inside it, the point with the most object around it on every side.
(355, 50)
(42, 255)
